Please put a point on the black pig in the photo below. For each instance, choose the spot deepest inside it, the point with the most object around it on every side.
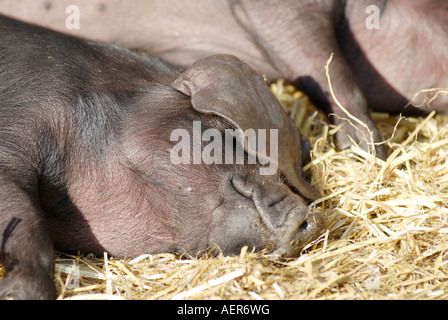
(385, 51)
(86, 158)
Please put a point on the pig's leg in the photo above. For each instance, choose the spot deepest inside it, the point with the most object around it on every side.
(298, 38)
(25, 247)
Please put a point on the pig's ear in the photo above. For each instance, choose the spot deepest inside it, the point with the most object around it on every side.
(227, 87)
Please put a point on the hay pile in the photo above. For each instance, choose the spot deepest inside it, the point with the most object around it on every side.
(386, 239)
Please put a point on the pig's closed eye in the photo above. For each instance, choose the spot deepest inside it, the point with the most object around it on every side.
(220, 202)
(285, 181)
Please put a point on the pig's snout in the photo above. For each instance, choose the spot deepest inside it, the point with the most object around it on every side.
(303, 227)
(287, 222)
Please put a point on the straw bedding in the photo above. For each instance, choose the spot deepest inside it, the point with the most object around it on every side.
(386, 238)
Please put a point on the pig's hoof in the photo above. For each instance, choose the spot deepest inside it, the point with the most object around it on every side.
(366, 137)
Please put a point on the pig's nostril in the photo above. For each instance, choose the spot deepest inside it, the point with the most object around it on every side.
(303, 226)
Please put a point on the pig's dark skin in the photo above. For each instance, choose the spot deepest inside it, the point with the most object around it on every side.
(85, 159)
(380, 69)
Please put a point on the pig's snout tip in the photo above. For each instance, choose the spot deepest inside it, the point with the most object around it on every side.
(302, 229)
(314, 224)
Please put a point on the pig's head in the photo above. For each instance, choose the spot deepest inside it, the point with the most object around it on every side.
(219, 201)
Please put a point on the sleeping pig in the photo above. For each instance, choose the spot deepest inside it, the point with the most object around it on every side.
(103, 150)
(385, 51)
